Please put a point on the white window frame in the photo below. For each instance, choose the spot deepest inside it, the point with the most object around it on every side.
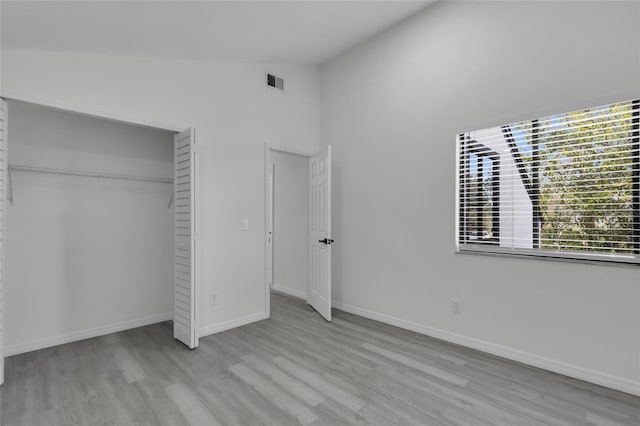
(606, 259)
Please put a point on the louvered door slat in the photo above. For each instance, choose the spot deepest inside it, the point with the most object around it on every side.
(184, 324)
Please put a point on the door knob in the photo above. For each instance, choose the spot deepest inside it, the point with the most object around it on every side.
(326, 241)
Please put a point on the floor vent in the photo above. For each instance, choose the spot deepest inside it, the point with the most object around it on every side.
(275, 82)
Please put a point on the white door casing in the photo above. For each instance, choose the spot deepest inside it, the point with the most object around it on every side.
(270, 195)
(319, 293)
(3, 205)
(184, 311)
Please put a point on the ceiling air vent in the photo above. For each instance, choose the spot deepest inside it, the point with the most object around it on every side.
(275, 82)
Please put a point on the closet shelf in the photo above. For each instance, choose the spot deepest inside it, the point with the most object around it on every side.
(20, 168)
(31, 169)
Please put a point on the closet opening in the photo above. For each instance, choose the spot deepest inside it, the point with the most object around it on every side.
(99, 229)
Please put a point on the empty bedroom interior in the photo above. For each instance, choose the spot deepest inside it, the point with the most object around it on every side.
(425, 329)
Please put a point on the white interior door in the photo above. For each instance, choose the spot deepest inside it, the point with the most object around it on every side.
(270, 171)
(3, 204)
(320, 233)
(184, 310)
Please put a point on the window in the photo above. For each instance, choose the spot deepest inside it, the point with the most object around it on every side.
(567, 185)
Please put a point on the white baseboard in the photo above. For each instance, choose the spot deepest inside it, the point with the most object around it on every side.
(47, 342)
(291, 292)
(227, 325)
(588, 375)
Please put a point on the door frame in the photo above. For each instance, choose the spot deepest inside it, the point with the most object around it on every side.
(268, 149)
(91, 112)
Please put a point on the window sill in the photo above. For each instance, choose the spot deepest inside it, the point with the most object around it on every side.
(553, 256)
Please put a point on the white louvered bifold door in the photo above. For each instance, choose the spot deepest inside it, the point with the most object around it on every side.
(3, 206)
(184, 311)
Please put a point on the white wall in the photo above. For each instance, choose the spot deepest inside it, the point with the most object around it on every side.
(291, 213)
(392, 107)
(85, 254)
(234, 114)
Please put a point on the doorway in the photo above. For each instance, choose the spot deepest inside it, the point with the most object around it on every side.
(289, 223)
(298, 227)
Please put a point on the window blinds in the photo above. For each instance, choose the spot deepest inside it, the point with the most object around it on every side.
(566, 185)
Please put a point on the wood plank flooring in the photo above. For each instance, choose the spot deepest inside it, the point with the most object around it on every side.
(294, 369)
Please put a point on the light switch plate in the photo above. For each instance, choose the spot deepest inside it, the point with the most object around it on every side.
(245, 225)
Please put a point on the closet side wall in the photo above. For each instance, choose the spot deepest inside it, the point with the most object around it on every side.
(85, 255)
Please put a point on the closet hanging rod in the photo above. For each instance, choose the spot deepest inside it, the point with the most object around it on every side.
(31, 169)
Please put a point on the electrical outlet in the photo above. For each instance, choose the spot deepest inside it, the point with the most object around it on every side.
(213, 299)
(456, 306)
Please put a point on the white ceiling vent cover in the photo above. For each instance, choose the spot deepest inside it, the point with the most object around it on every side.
(275, 82)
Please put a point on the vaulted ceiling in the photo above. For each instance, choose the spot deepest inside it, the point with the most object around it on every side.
(249, 31)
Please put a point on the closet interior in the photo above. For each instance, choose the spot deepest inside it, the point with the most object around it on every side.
(90, 227)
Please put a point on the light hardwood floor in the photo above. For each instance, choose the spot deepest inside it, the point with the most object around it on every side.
(294, 368)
